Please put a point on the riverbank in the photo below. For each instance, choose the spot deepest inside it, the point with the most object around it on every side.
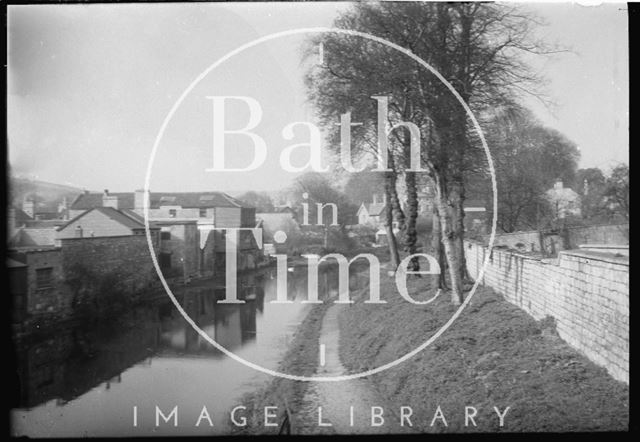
(494, 359)
(301, 358)
(303, 398)
(494, 355)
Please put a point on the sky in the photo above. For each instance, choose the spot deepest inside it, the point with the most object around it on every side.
(89, 87)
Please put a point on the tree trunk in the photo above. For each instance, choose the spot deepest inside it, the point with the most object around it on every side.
(460, 231)
(326, 237)
(392, 196)
(447, 224)
(389, 183)
(410, 234)
(438, 250)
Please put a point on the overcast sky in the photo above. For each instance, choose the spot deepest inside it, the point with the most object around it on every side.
(89, 87)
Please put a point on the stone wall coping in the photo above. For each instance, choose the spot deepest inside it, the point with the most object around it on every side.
(34, 249)
(547, 231)
(598, 256)
(604, 246)
(504, 249)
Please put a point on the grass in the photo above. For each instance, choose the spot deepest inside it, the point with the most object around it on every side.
(300, 359)
(494, 354)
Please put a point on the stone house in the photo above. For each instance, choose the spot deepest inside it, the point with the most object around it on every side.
(44, 210)
(177, 239)
(101, 221)
(216, 207)
(564, 201)
(180, 253)
(372, 214)
(33, 237)
(177, 214)
(36, 276)
(475, 217)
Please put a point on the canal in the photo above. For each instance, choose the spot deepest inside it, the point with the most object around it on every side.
(86, 380)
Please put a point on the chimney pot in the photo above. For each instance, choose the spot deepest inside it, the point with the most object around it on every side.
(139, 198)
(109, 201)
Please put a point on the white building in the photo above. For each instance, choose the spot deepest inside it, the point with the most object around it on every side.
(564, 201)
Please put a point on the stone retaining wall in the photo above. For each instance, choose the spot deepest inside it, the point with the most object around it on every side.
(587, 293)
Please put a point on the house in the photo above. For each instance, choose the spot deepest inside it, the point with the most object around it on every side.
(216, 207)
(564, 201)
(35, 276)
(44, 210)
(175, 214)
(16, 218)
(17, 272)
(181, 252)
(177, 240)
(39, 288)
(101, 221)
(372, 214)
(475, 217)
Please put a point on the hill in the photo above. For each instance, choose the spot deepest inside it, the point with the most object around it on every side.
(41, 191)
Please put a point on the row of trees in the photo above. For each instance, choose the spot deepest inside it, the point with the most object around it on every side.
(479, 49)
(476, 48)
(604, 198)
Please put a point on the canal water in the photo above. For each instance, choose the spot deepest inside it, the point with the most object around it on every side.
(86, 380)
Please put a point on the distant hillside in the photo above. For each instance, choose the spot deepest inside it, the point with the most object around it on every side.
(43, 192)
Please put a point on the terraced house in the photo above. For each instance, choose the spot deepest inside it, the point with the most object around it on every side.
(188, 243)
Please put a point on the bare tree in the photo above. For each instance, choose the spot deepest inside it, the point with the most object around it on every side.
(473, 46)
(528, 159)
(618, 190)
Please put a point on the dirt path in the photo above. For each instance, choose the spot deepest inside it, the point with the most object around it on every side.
(336, 398)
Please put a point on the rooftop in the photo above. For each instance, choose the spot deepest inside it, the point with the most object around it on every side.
(114, 214)
(126, 200)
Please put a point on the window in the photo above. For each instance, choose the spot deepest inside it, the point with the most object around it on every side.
(203, 212)
(173, 213)
(165, 235)
(165, 261)
(44, 278)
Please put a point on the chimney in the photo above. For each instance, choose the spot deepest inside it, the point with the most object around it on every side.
(109, 200)
(139, 197)
(375, 198)
(78, 232)
(29, 207)
(384, 198)
(62, 208)
(558, 185)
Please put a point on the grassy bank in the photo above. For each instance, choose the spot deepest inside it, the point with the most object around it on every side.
(494, 354)
(300, 359)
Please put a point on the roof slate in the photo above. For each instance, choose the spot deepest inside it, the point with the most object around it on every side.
(126, 200)
(376, 209)
(116, 215)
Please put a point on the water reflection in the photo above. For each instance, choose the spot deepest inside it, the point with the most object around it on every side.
(149, 355)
